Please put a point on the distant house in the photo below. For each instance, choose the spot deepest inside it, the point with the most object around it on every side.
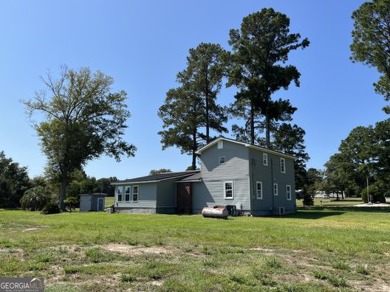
(255, 180)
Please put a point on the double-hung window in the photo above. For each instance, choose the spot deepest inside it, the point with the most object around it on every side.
(127, 194)
(288, 192)
(265, 159)
(119, 194)
(282, 165)
(276, 189)
(135, 193)
(228, 190)
(259, 190)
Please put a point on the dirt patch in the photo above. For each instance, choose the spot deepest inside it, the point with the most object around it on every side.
(136, 250)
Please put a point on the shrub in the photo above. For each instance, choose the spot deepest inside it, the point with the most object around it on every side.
(34, 199)
(51, 208)
(308, 200)
(376, 193)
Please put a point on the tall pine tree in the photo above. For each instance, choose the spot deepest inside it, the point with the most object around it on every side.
(190, 111)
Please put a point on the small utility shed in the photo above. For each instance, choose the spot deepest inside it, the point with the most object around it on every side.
(92, 202)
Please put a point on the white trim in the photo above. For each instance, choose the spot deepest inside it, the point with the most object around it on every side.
(127, 188)
(258, 148)
(224, 190)
(288, 192)
(259, 197)
(119, 192)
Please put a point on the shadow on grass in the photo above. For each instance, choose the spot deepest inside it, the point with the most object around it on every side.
(321, 212)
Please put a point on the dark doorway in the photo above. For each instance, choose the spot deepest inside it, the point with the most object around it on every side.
(184, 198)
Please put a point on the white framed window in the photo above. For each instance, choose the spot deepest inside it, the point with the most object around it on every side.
(119, 194)
(259, 190)
(276, 187)
(288, 192)
(228, 189)
(220, 145)
(127, 194)
(222, 160)
(282, 165)
(265, 159)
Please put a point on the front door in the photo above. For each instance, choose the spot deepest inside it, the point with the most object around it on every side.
(184, 198)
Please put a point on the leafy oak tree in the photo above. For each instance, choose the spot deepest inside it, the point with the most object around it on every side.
(83, 120)
(190, 111)
(371, 41)
(257, 67)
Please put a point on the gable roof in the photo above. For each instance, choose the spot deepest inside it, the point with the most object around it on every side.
(254, 147)
(156, 177)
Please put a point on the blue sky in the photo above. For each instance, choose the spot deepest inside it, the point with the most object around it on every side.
(143, 44)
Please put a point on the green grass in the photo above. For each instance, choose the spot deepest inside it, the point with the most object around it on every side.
(319, 249)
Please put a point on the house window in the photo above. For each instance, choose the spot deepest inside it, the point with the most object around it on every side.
(265, 159)
(127, 194)
(228, 190)
(282, 165)
(288, 192)
(119, 194)
(222, 160)
(135, 193)
(275, 189)
(259, 190)
(220, 145)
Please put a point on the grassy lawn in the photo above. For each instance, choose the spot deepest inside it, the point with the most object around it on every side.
(323, 249)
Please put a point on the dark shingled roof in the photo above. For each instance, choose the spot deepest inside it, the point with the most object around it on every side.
(192, 178)
(157, 177)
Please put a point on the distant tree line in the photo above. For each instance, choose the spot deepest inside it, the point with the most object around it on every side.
(18, 190)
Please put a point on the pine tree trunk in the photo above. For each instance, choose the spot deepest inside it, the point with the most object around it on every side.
(64, 185)
(207, 112)
(268, 132)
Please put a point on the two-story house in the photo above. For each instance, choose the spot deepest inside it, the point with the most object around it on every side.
(257, 181)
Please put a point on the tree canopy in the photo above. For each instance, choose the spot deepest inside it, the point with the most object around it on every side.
(363, 159)
(260, 50)
(83, 120)
(14, 181)
(371, 41)
(191, 111)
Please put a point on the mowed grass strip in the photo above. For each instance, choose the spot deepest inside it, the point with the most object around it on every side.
(313, 250)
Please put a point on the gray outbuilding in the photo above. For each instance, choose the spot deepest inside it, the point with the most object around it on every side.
(92, 202)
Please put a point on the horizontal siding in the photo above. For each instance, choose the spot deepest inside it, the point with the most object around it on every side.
(214, 174)
(146, 197)
(268, 175)
(166, 194)
(236, 162)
